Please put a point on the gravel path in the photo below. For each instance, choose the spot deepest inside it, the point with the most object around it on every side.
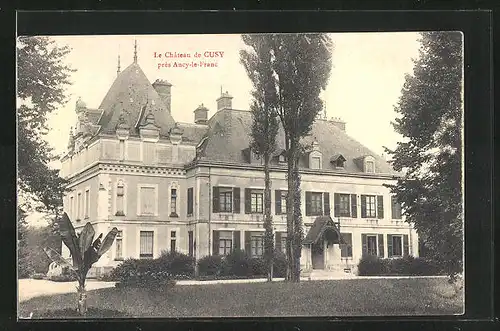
(29, 288)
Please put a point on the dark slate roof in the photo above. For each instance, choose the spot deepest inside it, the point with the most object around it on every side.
(93, 115)
(192, 133)
(229, 134)
(321, 223)
(129, 93)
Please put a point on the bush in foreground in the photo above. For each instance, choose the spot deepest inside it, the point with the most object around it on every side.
(406, 266)
(210, 265)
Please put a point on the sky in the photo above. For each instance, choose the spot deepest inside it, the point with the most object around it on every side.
(365, 84)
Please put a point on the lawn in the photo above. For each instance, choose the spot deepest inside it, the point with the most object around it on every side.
(354, 297)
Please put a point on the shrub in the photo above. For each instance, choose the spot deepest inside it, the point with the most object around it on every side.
(236, 263)
(63, 278)
(38, 276)
(279, 265)
(178, 264)
(257, 266)
(210, 265)
(370, 265)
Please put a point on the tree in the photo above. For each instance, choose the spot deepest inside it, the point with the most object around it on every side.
(42, 78)
(85, 251)
(258, 65)
(302, 65)
(430, 109)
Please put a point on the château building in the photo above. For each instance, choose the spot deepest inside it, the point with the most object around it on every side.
(197, 188)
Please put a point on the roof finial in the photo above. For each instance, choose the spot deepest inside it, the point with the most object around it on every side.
(135, 51)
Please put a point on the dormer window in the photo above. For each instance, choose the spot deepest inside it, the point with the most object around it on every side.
(281, 158)
(369, 164)
(315, 157)
(315, 162)
(338, 161)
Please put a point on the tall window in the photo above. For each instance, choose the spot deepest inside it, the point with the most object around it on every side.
(345, 209)
(190, 201)
(315, 162)
(397, 245)
(225, 242)
(119, 246)
(173, 202)
(146, 244)
(72, 207)
(346, 249)
(283, 202)
(283, 242)
(190, 243)
(79, 206)
(172, 241)
(256, 202)
(370, 206)
(257, 244)
(396, 208)
(370, 166)
(147, 200)
(316, 203)
(120, 197)
(371, 245)
(225, 199)
(87, 203)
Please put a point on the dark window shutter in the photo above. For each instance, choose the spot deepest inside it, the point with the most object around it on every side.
(381, 245)
(390, 252)
(336, 204)
(380, 206)
(277, 202)
(393, 207)
(308, 203)
(190, 201)
(215, 199)
(236, 240)
(363, 206)
(354, 206)
(215, 243)
(247, 201)
(406, 247)
(278, 241)
(364, 241)
(236, 200)
(326, 199)
(247, 242)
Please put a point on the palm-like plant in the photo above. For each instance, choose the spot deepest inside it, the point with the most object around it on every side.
(85, 251)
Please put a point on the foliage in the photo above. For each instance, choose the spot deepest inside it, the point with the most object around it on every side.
(38, 276)
(178, 264)
(280, 264)
(258, 64)
(210, 265)
(31, 258)
(430, 120)
(407, 266)
(70, 277)
(236, 263)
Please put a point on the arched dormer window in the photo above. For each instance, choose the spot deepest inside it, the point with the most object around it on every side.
(369, 164)
(315, 157)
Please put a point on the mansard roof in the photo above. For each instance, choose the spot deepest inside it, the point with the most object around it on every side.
(129, 94)
(229, 134)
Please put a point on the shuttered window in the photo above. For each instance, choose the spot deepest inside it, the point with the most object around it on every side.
(225, 199)
(280, 202)
(344, 205)
(368, 206)
(256, 244)
(225, 242)
(396, 212)
(346, 249)
(190, 201)
(254, 201)
(146, 244)
(280, 239)
(371, 242)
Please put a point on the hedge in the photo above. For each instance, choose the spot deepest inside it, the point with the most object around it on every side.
(407, 266)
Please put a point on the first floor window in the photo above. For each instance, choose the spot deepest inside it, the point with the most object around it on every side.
(173, 202)
(397, 245)
(371, 242)
(79, 205)
(147, 200)
(87, 203)
(225, 242)
(257, 244)
(256, 202)
(370, 206)
(345, 209)
(190, 201)
(316, 203)
(119, 246)
(225, 200)
(71, 207)
(172, 241)
(346, 248)
(146, 244)
(120, 197)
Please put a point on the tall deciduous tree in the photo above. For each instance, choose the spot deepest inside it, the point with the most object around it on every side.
(302, 65)
(430, 109)
(258, 64)
(42, 78)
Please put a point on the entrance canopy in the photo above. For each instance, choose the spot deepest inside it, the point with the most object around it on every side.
(324, 227)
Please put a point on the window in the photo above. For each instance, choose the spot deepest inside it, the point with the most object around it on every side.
(87, 203)
(256, 244)
(371, 245)
(395, 208)
(281, 158)
(173, 202)
(225, 242)
(225, 200)
(280, 202)
(283, 202)
(369, 205)
(79, 205)
(397, 245)
(283, 242)
(71, 206)
(316, 204)
(146, 244)
(119, 246)
(190, 201)
(315, 162)
(346, 249)
(339, 163)
(256, 202)
(120, 197)
(344, 205)
(190, 243)
(172, 241)
(370, 166)
(147, 199)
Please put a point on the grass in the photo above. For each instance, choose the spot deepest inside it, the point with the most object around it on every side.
(356, 297)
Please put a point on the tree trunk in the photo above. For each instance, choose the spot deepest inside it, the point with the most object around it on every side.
(82, 299)
(290, 210)
(297, 222)
(268, 221)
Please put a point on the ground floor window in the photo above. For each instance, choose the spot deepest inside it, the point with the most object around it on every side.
(225, 242)
(371, 243)
(146, 244)
(173, 241)
(283, 242)
(346, 248)
(119, 246)
(256, 244)
(395, 245)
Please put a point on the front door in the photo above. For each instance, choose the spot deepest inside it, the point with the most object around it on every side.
(318, 256)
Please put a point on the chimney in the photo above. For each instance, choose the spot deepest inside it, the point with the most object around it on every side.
(338, 122)
(224, 101)
(164, 90)
(201, 115)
